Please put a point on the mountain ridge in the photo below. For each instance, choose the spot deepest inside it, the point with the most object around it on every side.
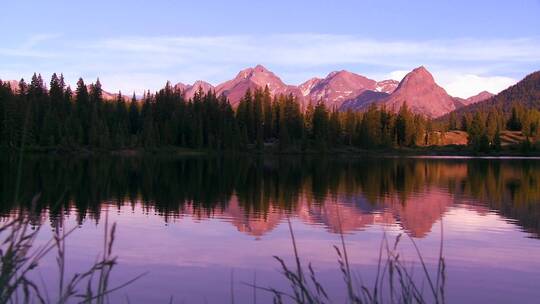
(189, 90)
(340, 90)
(253, 78)
(525, 92)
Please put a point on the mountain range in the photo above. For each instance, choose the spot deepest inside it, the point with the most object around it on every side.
(344, 90)
(340, 90)
(190, 89)
(419, 91)
(342, 86)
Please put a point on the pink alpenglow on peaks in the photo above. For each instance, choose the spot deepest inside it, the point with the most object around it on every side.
(479, 97)
(340, 86)
(190, 90)
(253, 78)
(422, 95)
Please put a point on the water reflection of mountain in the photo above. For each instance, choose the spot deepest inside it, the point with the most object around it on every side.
(255, 195)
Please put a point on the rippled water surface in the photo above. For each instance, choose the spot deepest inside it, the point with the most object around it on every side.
(201, 227)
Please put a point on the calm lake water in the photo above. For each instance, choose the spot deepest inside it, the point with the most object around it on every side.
(194, 225)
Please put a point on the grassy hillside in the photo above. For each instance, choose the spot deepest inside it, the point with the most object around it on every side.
(508, 138)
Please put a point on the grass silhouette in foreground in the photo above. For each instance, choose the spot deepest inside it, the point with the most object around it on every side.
(400, 286)
(20, 256)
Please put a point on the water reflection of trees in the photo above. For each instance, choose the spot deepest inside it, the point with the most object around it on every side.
(250, 189)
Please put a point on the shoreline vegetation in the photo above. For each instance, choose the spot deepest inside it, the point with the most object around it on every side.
(395, 280)
(21, 258)
(269, 150)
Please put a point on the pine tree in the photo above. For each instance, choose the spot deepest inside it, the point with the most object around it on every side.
(334, 129)
(497, 140)
(56, 92)
(405, 126)
(418, 131)
(514, 123)
(258, 118)
(320, 125)
(94, 135)
(370, 136)
(48, 132)
(350, 127)
(491, 125)
(466, 122)
(452, 122)
(477, 136)
(268, 113)
(134, 117)
(84, 111)
(387, 125)
(96, 93)
(244, 115)
(308, 119)
(148, 136)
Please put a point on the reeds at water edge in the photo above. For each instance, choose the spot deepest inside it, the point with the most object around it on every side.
(394, 281)
(20, 256)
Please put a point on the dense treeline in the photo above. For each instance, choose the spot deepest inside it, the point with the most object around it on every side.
(484, 127)
(59, 117)
(525, 93)
(514, 109)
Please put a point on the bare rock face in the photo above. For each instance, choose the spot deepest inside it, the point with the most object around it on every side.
(478, 97)
(333, 90)
(422, 95)
(339, 90)
(363, 100)
(199, 85)
(387, 86)
(190, 90)
(463, 102)
(181, 86)
(340, 86)
(108, 96)
(307, 86)
(253, 78)
(113, 96)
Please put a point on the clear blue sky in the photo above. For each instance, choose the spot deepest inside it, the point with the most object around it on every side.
(133, 45)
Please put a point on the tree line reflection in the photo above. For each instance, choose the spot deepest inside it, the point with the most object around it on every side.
(256, 194)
